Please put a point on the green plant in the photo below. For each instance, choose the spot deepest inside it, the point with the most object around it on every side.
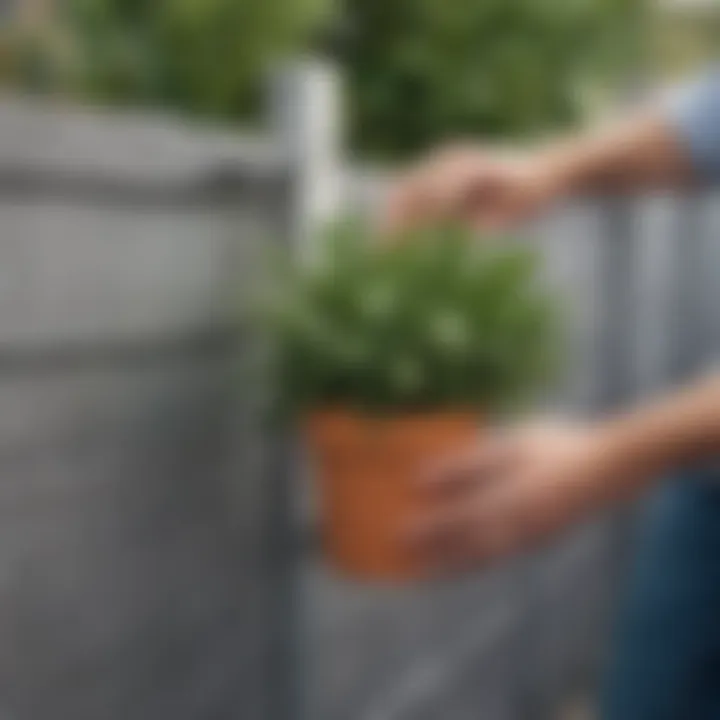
(437, 321)
(202, 56)
(420, 70)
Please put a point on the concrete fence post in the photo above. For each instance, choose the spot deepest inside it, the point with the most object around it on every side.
(306, 122)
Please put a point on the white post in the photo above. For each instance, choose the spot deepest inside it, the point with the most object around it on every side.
(306, 123)
(306, 120)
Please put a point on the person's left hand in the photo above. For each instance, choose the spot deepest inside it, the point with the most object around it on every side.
(510, 494)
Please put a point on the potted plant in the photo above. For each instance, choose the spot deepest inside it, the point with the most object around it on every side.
(392, 357)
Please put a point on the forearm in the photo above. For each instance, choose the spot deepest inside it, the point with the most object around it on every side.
(651, 442)
(671, 144)
(639, 153)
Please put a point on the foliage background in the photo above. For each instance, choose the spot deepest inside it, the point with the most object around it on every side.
(418, 70)
(683, 38)
(201, 56)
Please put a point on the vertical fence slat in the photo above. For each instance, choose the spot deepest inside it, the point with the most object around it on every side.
(685, 322)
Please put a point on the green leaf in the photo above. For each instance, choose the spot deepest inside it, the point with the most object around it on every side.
(436, 321)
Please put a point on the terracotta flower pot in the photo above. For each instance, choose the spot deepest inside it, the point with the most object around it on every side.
(367, 469)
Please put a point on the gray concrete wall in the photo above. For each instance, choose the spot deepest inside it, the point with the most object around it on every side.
(135, 574)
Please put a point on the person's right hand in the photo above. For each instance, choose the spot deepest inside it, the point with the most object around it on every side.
(516, 491)
(487, 189)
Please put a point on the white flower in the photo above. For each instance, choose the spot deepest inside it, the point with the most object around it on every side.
(450, 331)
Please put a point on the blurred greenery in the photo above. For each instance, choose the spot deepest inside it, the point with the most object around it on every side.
(435, 321)
(202, 56)
(683, 39)
(418, 70)
(421, 70)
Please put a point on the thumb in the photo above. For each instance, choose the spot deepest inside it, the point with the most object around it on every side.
(480, 464)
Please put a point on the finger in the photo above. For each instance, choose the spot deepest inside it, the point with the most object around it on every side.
(494, 214)
(511, 518)
(466, 538)
(471, 467)
(452, 182)
(410, 202)
(433, 191)
(441, 541)
(398, 211)
(491, 224)
(460, 512)
(496, 532)
(485, 189)
(490, 204)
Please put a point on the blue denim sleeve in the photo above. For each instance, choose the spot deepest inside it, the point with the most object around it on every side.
(694, 111)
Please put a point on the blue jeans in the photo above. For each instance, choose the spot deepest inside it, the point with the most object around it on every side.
(667, 663)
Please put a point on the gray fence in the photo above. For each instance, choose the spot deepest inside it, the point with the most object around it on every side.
(152, 562)
(638, 281)
(139, 577)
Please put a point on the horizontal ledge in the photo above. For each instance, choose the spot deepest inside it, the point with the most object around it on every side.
(219, 185)
(118, 352)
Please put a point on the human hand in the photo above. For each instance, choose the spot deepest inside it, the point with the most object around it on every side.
(484, 188)
(511, 494)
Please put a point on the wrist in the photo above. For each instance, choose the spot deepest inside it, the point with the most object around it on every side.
(630, 455)
(564, 169)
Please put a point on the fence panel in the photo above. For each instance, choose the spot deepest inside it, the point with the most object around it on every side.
(136, 515)
(640, 293)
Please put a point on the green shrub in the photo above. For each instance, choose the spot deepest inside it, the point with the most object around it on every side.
(421, 70)
(435, 322)
(202, 56)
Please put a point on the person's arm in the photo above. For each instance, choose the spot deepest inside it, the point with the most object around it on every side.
(669, 434)
(670, 144)
(641, 152)
(510, 493)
